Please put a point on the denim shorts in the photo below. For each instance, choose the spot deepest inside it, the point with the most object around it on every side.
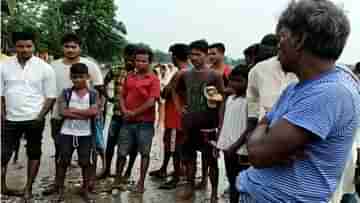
(135, 134)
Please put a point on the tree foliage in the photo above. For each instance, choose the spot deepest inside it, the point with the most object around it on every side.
(102, 35)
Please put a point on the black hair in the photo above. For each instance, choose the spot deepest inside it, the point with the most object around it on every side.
(201, 45)
(251, 50)
(357, 67)
(130, 49)
(144, 50)
(265, 52)
(71, 37)
(219, 46)
(240, 70)
(16, 36)
(322, 25)
(270, 40)
(79, 68)
(180, 51)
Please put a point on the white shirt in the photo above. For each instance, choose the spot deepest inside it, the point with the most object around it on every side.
(26, 88)
(77, 127)
(266, 82)
(235, 123)
(63, 80)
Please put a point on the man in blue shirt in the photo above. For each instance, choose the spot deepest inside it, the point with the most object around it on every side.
(298, 150)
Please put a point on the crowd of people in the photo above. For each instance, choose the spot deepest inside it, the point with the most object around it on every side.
(285, 121)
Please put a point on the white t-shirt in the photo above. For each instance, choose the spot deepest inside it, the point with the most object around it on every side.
(26, 88)
(77, 127)
(266, 82)
(63, 80)
(235, 123)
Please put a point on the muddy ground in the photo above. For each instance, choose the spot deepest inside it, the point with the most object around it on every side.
(17, 172)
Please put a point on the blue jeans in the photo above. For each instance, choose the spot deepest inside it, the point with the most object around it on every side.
(135, 134)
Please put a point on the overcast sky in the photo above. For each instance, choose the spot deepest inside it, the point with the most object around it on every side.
(238, 24)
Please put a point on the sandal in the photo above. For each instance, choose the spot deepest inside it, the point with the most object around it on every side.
(169, 185)
(158, 174)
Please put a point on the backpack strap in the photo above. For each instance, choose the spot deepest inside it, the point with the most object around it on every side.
(67, 95)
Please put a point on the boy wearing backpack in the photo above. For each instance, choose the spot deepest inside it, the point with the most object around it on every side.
(78, 107)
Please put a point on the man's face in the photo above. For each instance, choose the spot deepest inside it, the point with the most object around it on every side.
(215, 56)
(129, 62)
(198, 58)
(142, 62)
(288, 56)
(44, 56)
(24, 48)
(71, 50)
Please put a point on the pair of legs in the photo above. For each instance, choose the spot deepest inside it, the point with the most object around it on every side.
(168, 154)
(87, 159)
(139, 135)
(234, 164)
(11, 135)
(172, 147)
(209, 160)
(114, 131)
(192, 124)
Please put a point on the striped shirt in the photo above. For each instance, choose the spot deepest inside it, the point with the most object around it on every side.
(327, 106)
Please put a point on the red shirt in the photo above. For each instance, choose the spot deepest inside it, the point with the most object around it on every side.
(139, 89)
(172, 116)
(227, 71)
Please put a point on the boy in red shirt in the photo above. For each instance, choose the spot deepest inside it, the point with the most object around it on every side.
(141, 90)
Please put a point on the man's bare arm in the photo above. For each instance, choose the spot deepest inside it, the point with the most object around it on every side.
(278, 145)
(48, 105)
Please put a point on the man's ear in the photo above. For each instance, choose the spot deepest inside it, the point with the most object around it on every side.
(300, 41)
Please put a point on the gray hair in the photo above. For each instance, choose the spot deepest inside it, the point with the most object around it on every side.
(323, 26)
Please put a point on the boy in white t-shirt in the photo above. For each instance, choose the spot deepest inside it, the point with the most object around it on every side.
(234, 124)
(78, 107)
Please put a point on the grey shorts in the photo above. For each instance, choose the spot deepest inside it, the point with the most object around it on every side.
(137, 134)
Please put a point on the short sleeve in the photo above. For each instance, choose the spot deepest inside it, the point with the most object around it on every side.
(252, 95)
(95, 75)
(50, 90)
(321, 112)
(155, 88)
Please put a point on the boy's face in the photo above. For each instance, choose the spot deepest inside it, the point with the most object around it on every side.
(238, 84)
(142, 62)
(79, 80)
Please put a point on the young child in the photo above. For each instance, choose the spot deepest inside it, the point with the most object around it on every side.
(233, 126)
(78, 107)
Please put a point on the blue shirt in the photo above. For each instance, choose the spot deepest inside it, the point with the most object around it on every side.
(327, 106)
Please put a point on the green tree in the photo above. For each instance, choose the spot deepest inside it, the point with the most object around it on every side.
(102, 35)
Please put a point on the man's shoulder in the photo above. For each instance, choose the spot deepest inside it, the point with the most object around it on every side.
(89, 63)
(57, 63)
(41, 63)
(266, 64)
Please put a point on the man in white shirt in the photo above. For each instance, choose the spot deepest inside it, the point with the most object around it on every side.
(28, 93)
(72, 50)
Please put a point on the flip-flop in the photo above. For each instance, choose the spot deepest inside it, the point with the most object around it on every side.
(169, 185)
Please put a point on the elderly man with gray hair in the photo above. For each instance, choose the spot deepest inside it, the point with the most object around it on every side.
(299, 149)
